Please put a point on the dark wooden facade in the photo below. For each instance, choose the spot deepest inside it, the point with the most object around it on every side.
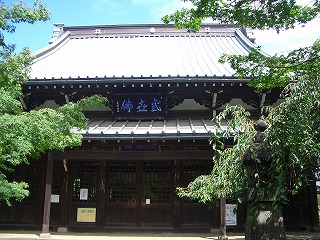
(119, 185)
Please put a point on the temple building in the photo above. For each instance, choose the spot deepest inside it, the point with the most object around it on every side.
(163, 87)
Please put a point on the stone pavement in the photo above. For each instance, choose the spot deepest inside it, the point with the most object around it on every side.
(32, 235)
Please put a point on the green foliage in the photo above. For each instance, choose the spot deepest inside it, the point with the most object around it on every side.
(293, 127)
(17, 13)
(29, 134)
(15, 145)
(267, 72)
(185, 18)
(256, 14)
(228, 177)
(292, 137)
(9, 190)
(294, 133)
(13, 73)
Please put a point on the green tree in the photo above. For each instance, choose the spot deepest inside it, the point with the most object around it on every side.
(256, 14)
(293, 128)
(25, 135)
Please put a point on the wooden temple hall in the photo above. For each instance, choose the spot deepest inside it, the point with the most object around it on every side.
(163, 87)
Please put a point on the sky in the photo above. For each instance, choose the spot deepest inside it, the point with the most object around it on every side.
(98, 12)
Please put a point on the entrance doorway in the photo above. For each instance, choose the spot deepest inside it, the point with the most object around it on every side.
(139, 194)
(133, 194)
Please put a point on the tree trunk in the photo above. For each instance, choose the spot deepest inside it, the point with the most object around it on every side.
(265, 223)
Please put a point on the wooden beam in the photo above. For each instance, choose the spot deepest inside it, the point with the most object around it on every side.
(133, 155)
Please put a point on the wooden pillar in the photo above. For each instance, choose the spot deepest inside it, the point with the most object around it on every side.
(47, 199)
(101, 193)
(313, 201)
(223, 227)
(64, 197)
(139, 192)
(176, 199)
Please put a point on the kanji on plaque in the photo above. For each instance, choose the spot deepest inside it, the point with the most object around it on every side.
(155, 105)
(142, 106)
(127, 105)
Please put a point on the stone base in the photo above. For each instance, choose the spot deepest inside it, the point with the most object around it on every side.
(316, 229)
(62, 230)
(223, 238)
(44, 235)
(265, 223)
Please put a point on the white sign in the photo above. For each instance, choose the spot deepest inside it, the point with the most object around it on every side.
(83, 193)
(55, 198)
(231, 217)
(148, 201)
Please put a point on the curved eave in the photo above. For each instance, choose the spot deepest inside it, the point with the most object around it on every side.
(146, 137)
(52, 47)
(159, 79)
(172, 129)
(246, 43)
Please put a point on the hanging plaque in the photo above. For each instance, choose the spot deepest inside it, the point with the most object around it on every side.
(139, 106)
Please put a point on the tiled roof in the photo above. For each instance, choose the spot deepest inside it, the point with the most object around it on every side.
(195, 128)
(128, 53)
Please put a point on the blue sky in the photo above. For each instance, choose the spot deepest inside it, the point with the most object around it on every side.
(90, 12)
(97, 12)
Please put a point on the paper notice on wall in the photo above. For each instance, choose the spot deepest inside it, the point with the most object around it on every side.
(148, 201)
(231, 217)
(86, 215)
(55, 198)
(83, 193)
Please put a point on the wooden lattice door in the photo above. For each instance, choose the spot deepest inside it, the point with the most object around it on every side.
(156, 194)
(83, 197)
(121, 194)
(138, 194)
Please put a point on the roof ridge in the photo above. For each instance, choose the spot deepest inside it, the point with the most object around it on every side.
(146, 29)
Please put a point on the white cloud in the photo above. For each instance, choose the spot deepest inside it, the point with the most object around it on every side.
(168, 7)
(137, 2)
(271, 42)
(109, 6)
(159, 8)
(301, 36)
(153, 10)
